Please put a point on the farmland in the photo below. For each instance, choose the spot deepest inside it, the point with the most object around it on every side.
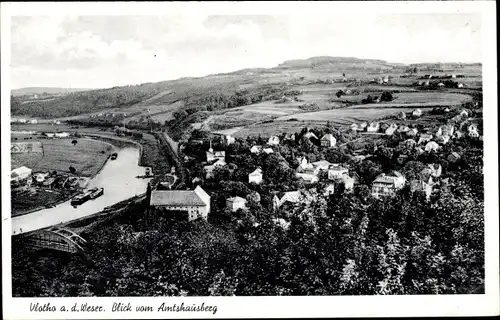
(87, 156)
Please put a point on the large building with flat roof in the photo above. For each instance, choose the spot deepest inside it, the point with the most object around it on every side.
(195, 202)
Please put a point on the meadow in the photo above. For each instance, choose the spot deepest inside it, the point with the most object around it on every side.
(87, 156)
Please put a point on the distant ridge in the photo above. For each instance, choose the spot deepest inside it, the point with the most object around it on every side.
(49, 90)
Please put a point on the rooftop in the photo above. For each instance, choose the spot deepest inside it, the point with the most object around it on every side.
(175, 198)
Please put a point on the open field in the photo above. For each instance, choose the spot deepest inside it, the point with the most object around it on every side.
(276, 127)
(87, 156)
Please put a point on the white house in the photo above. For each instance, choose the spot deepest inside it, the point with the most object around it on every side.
(20, 173)
(256, 149)
(255, 176)
(392, 128)
(460, 85)
(290, 136)
(363, 126)
(336, 171)
(33, 121)
(310, 135)
(441, 85)
(425, 138)
(387, 185)
(61, 134)
(236, 203)
(348, 183)
(21, 120)
(273, 140)
(209, 169)
(56, 122)
(354, 127)
(472, 129)
(328, 140)
(412, 132)
(308, 177)
(321, 165)
(435, 169)
(49, 135)
(417, 113)
(195, 202)
(268, 150)
(228, 139)
(373, 127)
(464, 113)
(402, 115)
(431, 146)
(329, 189)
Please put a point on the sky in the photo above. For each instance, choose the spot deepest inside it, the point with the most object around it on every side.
(106, 51)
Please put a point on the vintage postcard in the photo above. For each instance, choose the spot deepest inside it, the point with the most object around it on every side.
(282, 159)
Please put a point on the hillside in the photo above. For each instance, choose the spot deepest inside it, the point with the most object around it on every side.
(219, 91)
(46, 90)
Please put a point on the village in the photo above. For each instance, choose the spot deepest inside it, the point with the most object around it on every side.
(291, 170)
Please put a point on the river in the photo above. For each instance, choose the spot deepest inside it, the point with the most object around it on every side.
(118, 178)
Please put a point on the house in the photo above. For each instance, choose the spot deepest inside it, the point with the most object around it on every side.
(464, 113)
(21, 120)
(291, 197)
(328, 140)
(424, 138)
(423, 186)
(236, 203)
(348, 183)
(417, 113)
(268, 150)
(282, 223)
(453, 157)
(402, 115)
(460, 85)
(274, 140)
(403, 128)
(209, 169)
(20, 174)
(39, 177)
(373, 127)
(289, 136)
(390, 131)
(447, 110)
(443, 139)
(61, 134)
(441, 85)
(321, 165)
(412, 132)
(384, 126)
(447, 130)
(458, 134)
(329, 189)
(255, 176)
(195, 202)
(386, 79)
(56, 122)
(335, 172)
(431, 146)
(363, 126)
(256, 149)
(228, 139)
(308, 176)
(215, 155)
(387, 185)
(33, 121)
(310, 135)
(472, 129)
(354, 127)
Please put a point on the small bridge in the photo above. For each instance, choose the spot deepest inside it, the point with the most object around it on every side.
(57, 239)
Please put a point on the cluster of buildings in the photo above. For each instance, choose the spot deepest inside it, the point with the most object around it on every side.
(23, 121)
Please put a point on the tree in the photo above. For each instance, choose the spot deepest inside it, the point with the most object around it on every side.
(386, 96)
(74, 142)
(72, 169)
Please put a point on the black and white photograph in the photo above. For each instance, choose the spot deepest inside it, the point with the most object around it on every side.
(244, 153)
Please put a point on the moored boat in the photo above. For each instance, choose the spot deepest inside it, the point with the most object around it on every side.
(96, 193)
(81, 198)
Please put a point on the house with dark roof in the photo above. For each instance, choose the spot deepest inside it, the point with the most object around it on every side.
(194, 203)
(388, 184)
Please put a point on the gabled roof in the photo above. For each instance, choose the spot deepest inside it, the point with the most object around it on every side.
(257, 171)
(236, 199)
(328, 137)
(176, 198)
